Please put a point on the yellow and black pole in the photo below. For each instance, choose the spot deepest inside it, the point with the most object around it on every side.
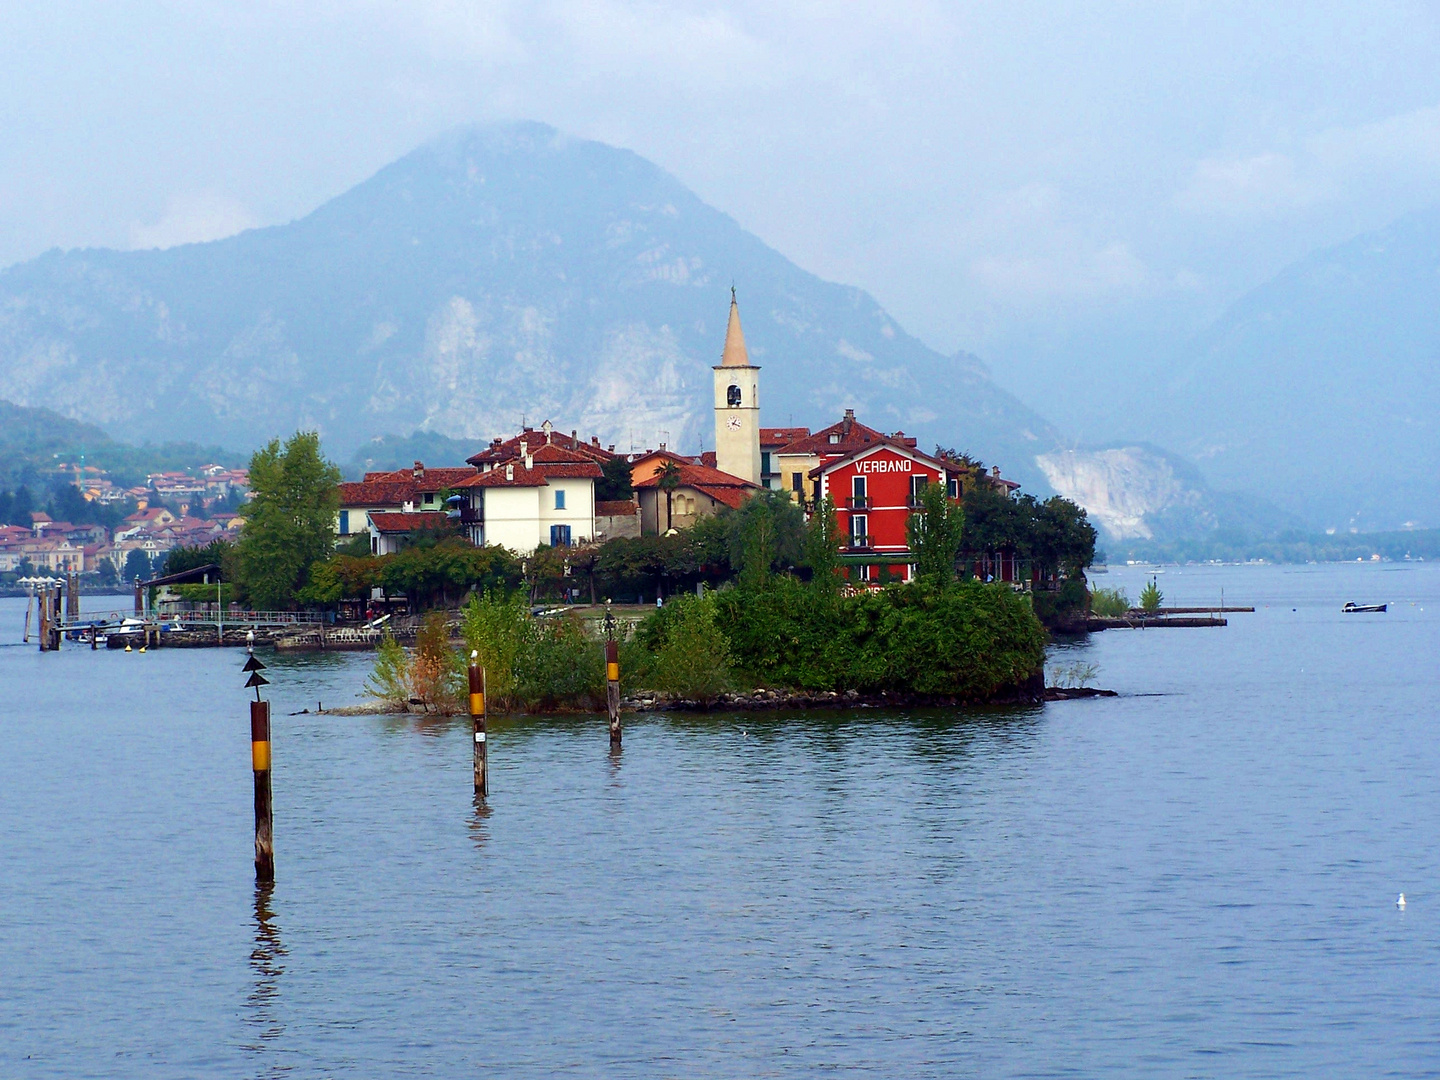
(612, 677)
(260, 763)
(477, 716)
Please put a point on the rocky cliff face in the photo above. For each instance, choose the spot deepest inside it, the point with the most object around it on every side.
(493, 274)
(1124, 490)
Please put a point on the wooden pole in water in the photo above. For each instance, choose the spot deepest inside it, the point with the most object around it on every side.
(477, 717)
(612, 689)
(29, 603)
(260, 764)
(43, 598)
(264, 813)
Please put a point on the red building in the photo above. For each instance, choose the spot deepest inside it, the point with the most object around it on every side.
(876, 488)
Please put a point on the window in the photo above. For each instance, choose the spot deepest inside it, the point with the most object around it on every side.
(765, 462)
(344, 522)
(732, 396)
(559, 535)
(859, 530)
(834, 439)
(953, 488)
(559, 498)
(918, 484)
(858, 493)
(797, 482)
(429, 497)
(374, 545)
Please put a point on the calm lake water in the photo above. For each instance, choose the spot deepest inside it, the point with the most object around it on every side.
(1197, 878)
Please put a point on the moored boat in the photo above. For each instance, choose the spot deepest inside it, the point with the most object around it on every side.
(1353, 608)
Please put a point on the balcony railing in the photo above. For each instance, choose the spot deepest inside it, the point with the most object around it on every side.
(859, 502)
(858, 543)
(471, 516)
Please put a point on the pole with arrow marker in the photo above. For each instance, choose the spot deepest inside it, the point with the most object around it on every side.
(260, 762)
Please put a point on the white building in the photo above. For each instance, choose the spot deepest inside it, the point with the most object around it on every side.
(543, 497)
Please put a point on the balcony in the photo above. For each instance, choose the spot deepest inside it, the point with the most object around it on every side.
(471, 515)
(857, 543)
(857, 503)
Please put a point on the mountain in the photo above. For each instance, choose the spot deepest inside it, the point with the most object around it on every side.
(492, 273)
(1320, 390)
(34, 441)
(1145, 500)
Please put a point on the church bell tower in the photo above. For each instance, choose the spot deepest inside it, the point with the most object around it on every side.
(737, 405)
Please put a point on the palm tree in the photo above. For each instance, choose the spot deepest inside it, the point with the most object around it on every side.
(669, 475)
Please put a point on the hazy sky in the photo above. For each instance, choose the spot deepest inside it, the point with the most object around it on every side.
(1042, 183)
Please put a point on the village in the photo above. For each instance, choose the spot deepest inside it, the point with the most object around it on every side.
(558, 512)
(172, 509)
(543, 487)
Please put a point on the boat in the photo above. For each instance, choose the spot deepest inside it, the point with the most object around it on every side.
(1353, 608)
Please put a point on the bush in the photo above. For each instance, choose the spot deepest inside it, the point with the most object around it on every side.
(963, 640)
(1151, 596)
(560, 665)
(435, 671)
(1109, 603)
(691, 656)
(390, 679)
(497, 629)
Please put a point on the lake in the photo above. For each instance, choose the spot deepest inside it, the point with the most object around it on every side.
(1195, 878)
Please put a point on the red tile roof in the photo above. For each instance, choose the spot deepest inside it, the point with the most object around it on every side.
(401, 523)
(773, 437)
(902, 445)
(720, 486)
(508, 449)
(432, 479)
(853, 436)
(500, 476)
(378, 492)
(616, 508)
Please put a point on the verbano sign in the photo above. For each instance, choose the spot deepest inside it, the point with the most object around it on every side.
(874, 465)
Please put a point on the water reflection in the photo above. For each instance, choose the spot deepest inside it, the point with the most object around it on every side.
(266, 966)
(479, 823)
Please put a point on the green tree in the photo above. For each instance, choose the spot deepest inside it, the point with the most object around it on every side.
(289, 522)
(1151, 596)
(188, 558)
(692, 656)
(822, 546)
(935, 534)
(615, 484)
(137, 565)
(766, 533)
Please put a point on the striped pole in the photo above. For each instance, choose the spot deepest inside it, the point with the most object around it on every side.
(612, 689)
(477, 717)
(264, 818)
(260, 763)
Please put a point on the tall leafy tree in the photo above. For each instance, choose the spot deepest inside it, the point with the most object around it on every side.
(669, 475)
(935, 533)
(766, 533)
(822, 545)
(289, 521)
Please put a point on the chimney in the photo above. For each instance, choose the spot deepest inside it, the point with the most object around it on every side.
(996, 472)
(848, 422)
(612, 446)
(497, 442)
(524, 448)
(418, 472)
(510, 471)
(574, 436)
(529, 461)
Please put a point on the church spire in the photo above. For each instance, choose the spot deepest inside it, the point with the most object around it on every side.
(735, 354)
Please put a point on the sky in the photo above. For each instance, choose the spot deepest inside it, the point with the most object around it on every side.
(1064, 189)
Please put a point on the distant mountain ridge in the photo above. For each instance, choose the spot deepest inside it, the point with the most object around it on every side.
(491, 273)
(33, 441)
(1320, 390)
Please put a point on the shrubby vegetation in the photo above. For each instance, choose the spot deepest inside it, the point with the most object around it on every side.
(1110, 603)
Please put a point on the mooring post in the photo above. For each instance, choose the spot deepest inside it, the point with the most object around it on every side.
(477, 717)
(260, 763)
(612, 677)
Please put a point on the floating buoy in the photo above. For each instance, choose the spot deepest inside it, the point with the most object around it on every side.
(1400, 902)
(128, 649)
(142, 648)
